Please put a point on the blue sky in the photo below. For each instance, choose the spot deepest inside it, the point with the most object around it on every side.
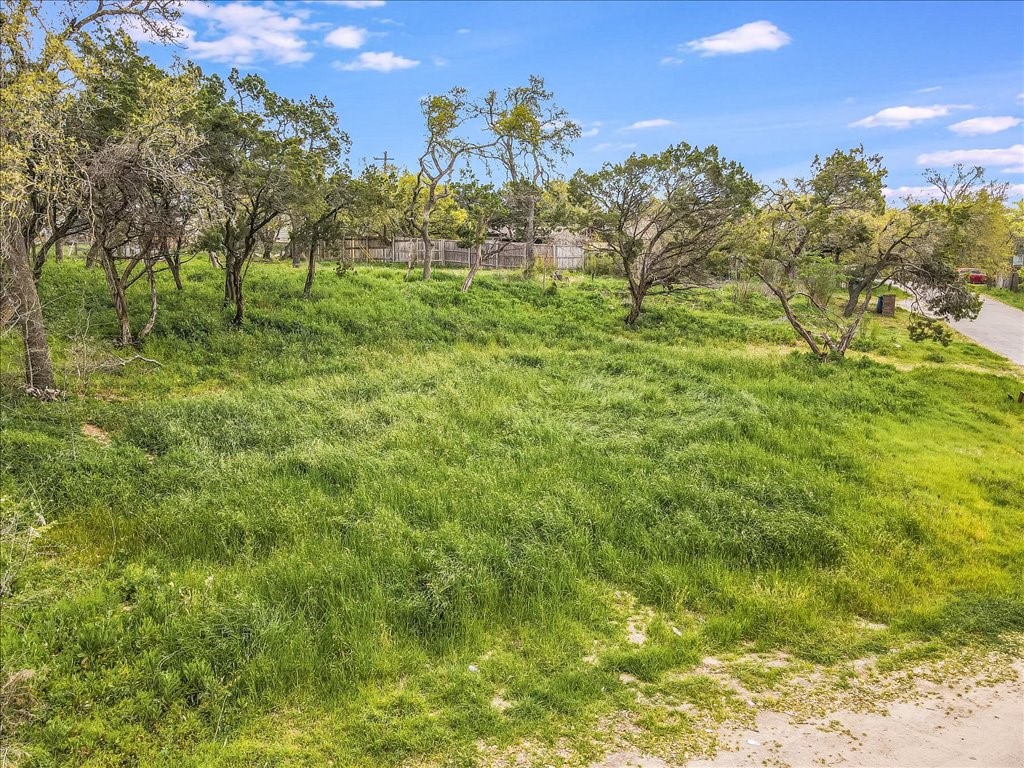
(771, 84)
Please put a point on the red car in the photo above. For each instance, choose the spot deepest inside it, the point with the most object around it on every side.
(973, 276)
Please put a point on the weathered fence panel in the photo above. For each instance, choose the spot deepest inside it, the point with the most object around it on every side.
(497, 254)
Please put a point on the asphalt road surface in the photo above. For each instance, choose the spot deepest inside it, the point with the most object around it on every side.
(998, 327)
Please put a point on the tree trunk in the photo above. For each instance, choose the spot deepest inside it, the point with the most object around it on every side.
(853, 289)
(28, 310)
(477, 259)
(229, 275)
(39, 260)
(236, 281)
(58, 251)
(820, 352)
(148, 327)
(428, 256)
(634, 310)
(848, 336)
(117, 297)
(93, 256)
(295, 254)
(173, 263)
(307, 290)
(637, 293)
(268, 245)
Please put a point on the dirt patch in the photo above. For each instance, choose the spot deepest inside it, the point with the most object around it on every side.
(638, 618)
(95, 433)
(873, 626)
(500, 703)
(934, 722)
(965, 708)
(633, 760)
(634, 632)
(944, 725)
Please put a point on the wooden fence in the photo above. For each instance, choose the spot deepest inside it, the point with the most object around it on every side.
(496, 254)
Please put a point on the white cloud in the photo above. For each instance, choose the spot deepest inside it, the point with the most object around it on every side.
(671, 60)
(346, 37)
(138, 32)
(241, 34)
(590, 132)
(385, 61)
(358, 4)
(931, 193)
(1011, 156)
(755, 36)
(904, 117)
(639, 125)
(440, 61)
(978, 126)
(463, 31)
(608, 145)
(916, 192)
(930, 89)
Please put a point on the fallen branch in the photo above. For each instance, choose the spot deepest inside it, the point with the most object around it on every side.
(47, 394)
(124, 361)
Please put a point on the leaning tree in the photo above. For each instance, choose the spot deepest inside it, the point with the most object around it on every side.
(825, 245)
(46, 55)
(662, 216)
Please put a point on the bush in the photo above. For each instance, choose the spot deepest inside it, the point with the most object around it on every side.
(601, 264)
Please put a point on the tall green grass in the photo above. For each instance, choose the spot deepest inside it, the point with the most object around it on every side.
(1013, 298)
(302, 535)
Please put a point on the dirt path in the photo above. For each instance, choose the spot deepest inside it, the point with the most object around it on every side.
(951, 726)
(998, 327)
(967, 723)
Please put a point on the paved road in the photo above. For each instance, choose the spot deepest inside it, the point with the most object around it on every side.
(998, 327)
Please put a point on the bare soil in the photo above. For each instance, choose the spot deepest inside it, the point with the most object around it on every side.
(946, 724)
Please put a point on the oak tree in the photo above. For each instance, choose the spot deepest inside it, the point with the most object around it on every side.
(662, 216)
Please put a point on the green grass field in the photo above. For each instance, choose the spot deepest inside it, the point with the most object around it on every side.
(395, 523)
(1013, 298)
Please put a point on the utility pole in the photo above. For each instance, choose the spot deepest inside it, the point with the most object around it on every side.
(385, 159)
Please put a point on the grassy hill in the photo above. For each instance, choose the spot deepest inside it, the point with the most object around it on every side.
(395, 523)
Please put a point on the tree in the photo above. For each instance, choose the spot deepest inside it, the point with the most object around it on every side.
(379, 201)
(1016, 216)
(976, 226)
(320, 223)
(140, 187)
(532, 135)
(813, 236)
(556, 210)
(447, 147)
(663, 215)
(46, 53)
(485, 208)
(139, 179)
(265, 151)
